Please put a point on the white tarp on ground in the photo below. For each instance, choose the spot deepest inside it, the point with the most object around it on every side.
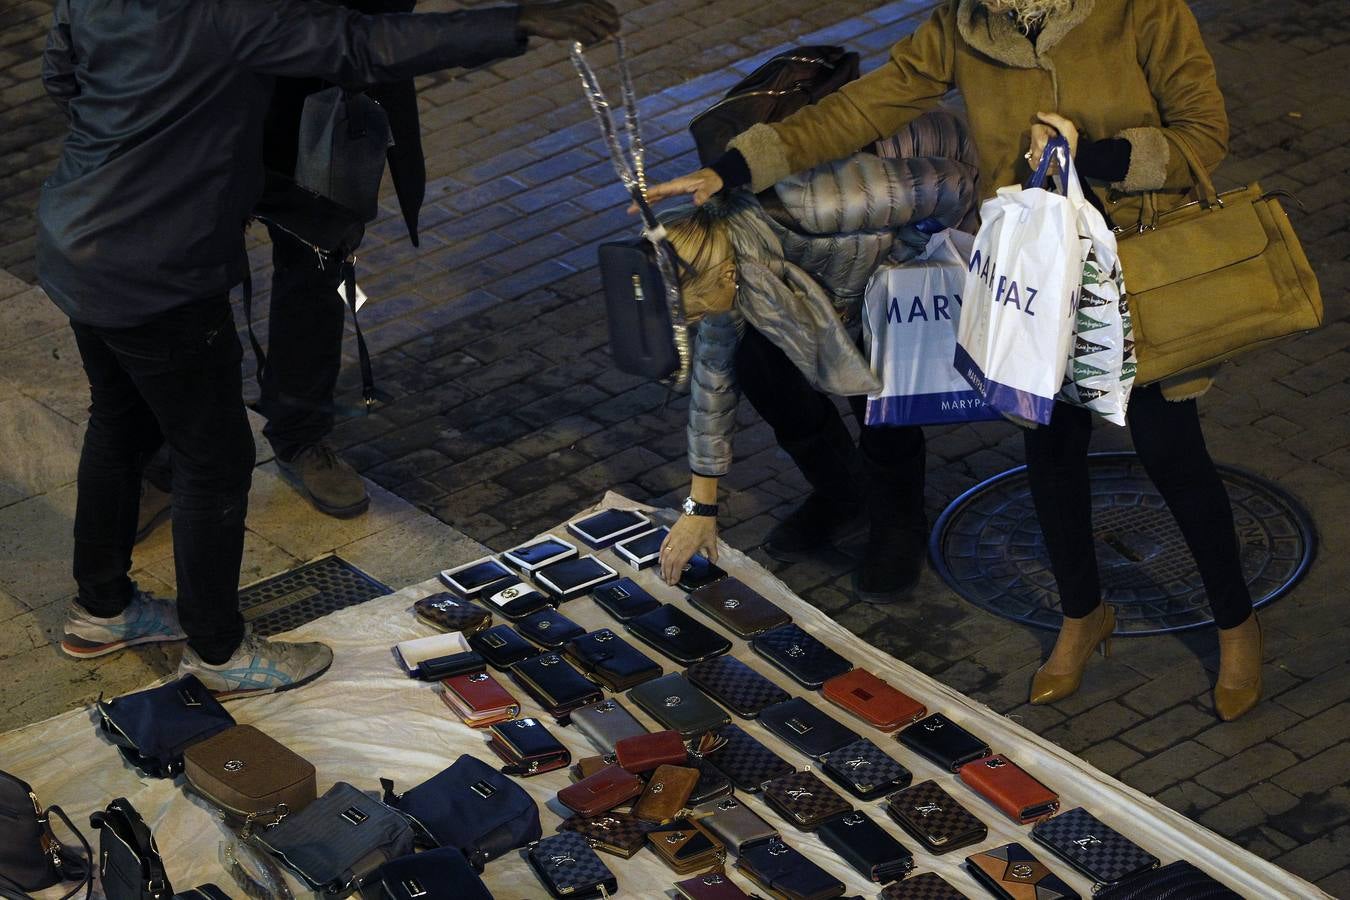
(365, 719)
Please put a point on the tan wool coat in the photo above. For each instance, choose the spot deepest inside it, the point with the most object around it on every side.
(1133, 69)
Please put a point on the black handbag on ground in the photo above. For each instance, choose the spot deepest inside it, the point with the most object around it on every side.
(442, 874)
(1175, 880)
(31, 858)
(152, 728)
(472, 807)
(129, 866)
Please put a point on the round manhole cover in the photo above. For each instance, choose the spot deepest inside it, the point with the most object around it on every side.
(987, 545)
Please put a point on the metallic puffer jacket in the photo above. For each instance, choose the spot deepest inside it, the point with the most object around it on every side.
(849, 216)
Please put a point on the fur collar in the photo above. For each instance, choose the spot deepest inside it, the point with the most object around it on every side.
(996, 35)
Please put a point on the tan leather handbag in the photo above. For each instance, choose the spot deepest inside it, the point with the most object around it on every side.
(248, 776)
(1214, 278)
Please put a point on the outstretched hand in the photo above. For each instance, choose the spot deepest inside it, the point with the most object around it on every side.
(588, 21)
(689, 535)
(701, 184)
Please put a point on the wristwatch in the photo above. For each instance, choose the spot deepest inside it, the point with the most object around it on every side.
(693, 508)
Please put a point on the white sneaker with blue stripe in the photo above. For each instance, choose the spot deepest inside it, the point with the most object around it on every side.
(146, 620)
(259, 666)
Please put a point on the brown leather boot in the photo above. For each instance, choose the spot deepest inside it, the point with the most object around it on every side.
(1062, 673)
(1241, 649)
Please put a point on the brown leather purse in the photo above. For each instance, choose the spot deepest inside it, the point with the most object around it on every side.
(872, 700)
(249, 776)
(667, 793)
(601, 792)
(643, 752)
(1009, 787)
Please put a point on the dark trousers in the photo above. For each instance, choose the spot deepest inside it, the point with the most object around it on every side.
(800, 415)
(304, 347)
(1171, 448)
(174, 379)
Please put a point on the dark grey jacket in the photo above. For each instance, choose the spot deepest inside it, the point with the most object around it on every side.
(166, 99)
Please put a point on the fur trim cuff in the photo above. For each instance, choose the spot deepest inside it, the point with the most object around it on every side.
(766, 155)
(1149, 155)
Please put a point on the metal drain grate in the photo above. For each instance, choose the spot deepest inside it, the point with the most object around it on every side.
(987, 545)
(302, 595)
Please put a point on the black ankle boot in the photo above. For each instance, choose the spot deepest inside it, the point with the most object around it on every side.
(834, 511)
(897, 540)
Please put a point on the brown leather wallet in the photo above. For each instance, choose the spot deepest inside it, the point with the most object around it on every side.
(872, 700)
(478, 699)
(667, 793)
(739, 607)
(601, 792)
(644, 752)
(804, 800)
(1008, 786)
(588, 766)
(686, 847)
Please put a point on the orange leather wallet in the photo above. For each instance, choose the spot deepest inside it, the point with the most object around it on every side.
(872, 700)
(1008, 786)
(601, 792)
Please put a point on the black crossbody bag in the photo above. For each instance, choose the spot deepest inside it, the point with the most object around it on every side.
(129, 865)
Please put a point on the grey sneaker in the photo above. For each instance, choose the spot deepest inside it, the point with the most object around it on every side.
(331, 484)
(146, 620)
(259, 666)
(155, 509)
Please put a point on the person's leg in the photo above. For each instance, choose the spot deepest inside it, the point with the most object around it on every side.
(1171, 446)
(305, 325)
(808, 427)
(893, 463)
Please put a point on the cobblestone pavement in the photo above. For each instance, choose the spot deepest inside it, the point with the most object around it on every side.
(509, 416)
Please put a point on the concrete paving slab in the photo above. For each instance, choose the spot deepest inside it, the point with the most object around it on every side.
(39, 450)
(47, 369)
(410, 551)
(28, 315)
(35, 547)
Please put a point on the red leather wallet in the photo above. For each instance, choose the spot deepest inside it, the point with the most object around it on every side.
(644, 752)
(478, 699)
(872, 700)
(1008, 786)
(601, 792)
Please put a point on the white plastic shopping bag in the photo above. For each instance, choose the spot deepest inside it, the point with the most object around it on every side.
(910, 314)
(1021, 292)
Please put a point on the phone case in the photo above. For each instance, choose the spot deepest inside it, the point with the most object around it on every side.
(933, 817)
(784, 872)
(549, 628)
(677, 635)
(515, 600)
(805, 728)
(865, 770)
(608, 526)
(445, 612)
(686, 847)
(866, 846)
(611, 660)
(739, 607)
(924, 886)
(744, 760)
(804, 800)
(606, 723)
(472, 579)
(502, 647)
(1096, 850)
(1011, 872)
(534, 555)
(571, 577)
(555, 685)
(610, 787)
(644, 550)
(698, 572)
(809, 662)
(644, 752)
(678, 705)
(479, 699)
(1008, 786)
(735, 685)
(872, 700)
(667, 793)
(624, 599)
(527, 747)
(713, 886)
(617, 833)
(569, 868)
(940, 740)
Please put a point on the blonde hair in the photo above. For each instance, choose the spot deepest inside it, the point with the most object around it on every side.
(726, 227)
(1030, 13)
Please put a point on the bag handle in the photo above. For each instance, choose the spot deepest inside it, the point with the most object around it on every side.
(1204, 186)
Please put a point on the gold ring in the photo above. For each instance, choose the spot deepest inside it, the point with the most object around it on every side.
(1027, 156)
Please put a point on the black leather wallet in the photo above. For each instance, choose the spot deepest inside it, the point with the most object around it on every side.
(712, 784)
(735, 685)
(865, 770)
(1095, 849)
(744, 760)
(624, 599)
(515, 600)
(549, 628)
(940, 740)
(1011, 872)
(698, 572)
(678, 635)
(933, 817)
(554, 684)
(502, 647)
(611, 660)
(805, 728)
(569, 868)
(739, 607)
(784, 872)
(678, 705)
(527, 747)
(449, 666)
(809, 662)
(866, 846)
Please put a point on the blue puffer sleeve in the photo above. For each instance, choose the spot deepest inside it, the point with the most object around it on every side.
(713, 393)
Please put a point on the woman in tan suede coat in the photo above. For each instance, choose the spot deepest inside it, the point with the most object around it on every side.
(1122, 81)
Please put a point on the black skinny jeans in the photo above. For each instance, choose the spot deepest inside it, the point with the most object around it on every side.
(1171, 448)
(174, 379)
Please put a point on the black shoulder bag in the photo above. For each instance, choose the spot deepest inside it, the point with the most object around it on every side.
(129, 866)
(31, 858)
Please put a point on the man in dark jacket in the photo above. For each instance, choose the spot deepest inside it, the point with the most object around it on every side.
(140, 238)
